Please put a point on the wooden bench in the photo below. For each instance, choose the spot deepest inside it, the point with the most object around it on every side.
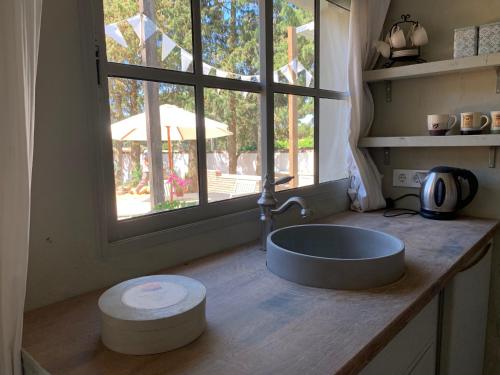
(231, 184)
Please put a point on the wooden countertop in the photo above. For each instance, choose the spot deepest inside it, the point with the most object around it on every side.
(261, 324)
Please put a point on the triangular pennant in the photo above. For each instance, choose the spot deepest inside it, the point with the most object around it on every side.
(285, 70)
(300, 67)
(114, 33)
(221, 73)
(309, 78)
(149, 27)
(206, 68)
(293, 64)
(186, 60)
(276, 77)
(136, 23)
(167, 45)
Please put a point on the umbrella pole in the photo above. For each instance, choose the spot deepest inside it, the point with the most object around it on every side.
(170, 162)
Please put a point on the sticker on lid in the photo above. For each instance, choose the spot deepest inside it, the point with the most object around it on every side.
(154, 295)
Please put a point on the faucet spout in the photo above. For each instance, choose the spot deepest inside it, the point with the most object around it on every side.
(299, 201)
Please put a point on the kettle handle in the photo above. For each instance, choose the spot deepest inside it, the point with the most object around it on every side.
(473, 186)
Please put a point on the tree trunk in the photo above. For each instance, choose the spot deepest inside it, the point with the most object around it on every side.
(135, 147)
(152, 111)
(231, 140)
(192, 173)
(135, 156)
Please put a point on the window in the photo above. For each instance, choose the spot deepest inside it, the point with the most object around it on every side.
(203, 98)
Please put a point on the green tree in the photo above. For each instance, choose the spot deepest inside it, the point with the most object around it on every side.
(230, 41)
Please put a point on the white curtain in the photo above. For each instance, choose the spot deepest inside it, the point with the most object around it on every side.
(19, 40)
(365, 26)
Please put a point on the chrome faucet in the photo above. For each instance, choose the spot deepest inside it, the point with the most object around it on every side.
(267, 203)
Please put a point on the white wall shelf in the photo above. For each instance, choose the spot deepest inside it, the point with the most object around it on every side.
(482, 140)
(435, 68)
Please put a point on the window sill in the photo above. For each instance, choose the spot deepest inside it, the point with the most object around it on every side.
(324, 199)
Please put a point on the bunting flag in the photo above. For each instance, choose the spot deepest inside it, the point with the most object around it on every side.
(139, 22)
(206, 68)
(167, 45)
(293, 65)
(136, 23)
(114, 33)
(186, 60)
(309, 78)
(221, 73)
(300, 67)
(285, 70)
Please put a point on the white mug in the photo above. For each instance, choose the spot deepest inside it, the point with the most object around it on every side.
(418, 35)
(397, 37)
(495, 122)
(440, 124)
(471, 122)
(383, 48)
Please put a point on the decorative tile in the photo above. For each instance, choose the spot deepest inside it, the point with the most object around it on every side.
(465, 42)
(489, 38)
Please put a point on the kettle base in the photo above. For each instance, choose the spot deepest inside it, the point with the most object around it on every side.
(438, 215)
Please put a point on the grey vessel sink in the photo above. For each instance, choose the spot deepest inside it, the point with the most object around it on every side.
(335, 256)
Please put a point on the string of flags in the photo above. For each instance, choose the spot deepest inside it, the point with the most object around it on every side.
(144, 28)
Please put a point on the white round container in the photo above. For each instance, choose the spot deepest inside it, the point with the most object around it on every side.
(152, 314)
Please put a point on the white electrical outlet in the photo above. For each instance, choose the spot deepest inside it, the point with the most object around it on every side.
(408, 178)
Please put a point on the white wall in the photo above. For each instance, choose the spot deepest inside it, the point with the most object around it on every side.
(413, 99)
(65, 256)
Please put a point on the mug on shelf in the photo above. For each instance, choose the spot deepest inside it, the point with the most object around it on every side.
(440, 124)
(418, 35)
(495, 122)
(471, 122)
(397, 37)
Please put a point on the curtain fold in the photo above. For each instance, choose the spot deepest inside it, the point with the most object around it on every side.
(366, 22)
(19, 37)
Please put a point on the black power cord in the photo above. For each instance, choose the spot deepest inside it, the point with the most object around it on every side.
(392, 211)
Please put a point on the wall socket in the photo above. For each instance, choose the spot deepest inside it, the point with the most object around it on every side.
(408, 178)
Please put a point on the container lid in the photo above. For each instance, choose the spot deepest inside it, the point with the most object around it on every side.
(158, 301)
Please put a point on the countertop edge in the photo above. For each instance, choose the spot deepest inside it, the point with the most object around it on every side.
(370, 350)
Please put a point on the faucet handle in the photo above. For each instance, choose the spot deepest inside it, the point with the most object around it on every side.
(283, 180)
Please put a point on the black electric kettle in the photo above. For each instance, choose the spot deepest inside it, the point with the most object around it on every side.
(441, 192)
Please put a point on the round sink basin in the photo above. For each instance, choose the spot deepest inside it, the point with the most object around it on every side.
(335, 256)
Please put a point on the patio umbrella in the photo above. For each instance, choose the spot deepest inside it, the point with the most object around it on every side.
(179, 123)
(176, 124)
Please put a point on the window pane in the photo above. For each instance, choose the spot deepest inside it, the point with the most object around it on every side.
(158, 35)
(294, 42)
(230, 38)
(155, 167)
(333, 140)
(294, 139)
(334, 34)
(232, 127)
